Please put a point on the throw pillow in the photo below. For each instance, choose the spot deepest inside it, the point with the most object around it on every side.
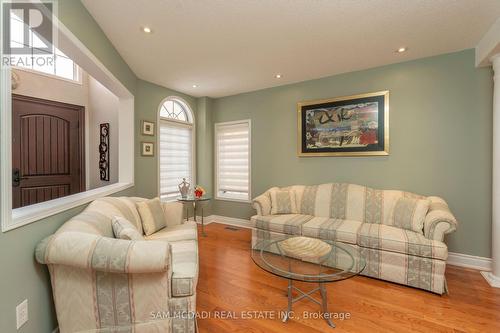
(152, 215)
(283, 202)
(124, 229)
(410, 214)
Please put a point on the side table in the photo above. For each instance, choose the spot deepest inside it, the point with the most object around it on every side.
(196, 202)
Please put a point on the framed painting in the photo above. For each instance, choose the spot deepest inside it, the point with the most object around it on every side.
(147, 149)
(355, 125)
(148, 128)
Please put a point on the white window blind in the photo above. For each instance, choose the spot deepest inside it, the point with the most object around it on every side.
(233, 160)
(176, 158)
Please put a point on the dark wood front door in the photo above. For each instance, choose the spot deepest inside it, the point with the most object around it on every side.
(47, 150)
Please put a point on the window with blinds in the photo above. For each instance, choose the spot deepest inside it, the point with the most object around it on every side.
(233, 147)
(175, 151)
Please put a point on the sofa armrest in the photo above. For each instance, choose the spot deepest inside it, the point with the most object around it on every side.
(262, 204)
(173, 213)
(439, 221)
(104, 254)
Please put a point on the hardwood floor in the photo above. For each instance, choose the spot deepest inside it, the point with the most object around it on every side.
(231, 286)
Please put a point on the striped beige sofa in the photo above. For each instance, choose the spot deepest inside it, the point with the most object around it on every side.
(100, 282)
(364, 218)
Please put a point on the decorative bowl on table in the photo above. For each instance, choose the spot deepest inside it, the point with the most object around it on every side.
(305, 247)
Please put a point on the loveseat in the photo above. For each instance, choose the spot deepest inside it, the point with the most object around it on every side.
(99, 281)
(400, 234)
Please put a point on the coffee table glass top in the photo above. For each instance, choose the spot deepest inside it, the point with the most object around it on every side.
(307, 259)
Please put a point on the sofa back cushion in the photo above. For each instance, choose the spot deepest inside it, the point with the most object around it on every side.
(349, 202)
(152, 215)
(283, 202)
(96, 218)
(409, 214)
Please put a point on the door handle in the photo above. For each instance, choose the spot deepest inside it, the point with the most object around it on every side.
(16, 177)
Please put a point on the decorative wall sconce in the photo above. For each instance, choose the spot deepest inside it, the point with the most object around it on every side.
(104, 152)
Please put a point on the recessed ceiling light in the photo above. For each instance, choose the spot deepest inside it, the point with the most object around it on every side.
(278, 76)
(402, 49)
(195, 86)
(147, 30)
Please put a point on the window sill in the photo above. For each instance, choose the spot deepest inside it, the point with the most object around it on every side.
(29, 214)
(233, 200)
(51, 76)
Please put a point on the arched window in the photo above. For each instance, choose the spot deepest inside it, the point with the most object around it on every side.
(176, 141)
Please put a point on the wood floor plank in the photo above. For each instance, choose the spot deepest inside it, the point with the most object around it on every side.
(231, 288)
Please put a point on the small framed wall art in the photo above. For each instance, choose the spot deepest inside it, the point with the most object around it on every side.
(148, 128)
(147, 149)
(355, 125)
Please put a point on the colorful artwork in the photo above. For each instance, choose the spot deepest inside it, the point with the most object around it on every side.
(354, 125)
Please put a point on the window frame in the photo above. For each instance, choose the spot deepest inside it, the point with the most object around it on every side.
(191, 123)
(14, 218)
(216, 161)
(76, 69)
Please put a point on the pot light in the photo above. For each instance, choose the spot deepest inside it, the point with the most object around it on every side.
(195, 86)
(278, 76)
(147, 30)
(402, 49)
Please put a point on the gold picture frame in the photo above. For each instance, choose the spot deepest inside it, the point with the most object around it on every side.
(148, 149)
(344, 126)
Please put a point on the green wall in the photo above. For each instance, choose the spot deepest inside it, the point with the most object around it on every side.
(147, 101)
(440, 139)
(20, 276)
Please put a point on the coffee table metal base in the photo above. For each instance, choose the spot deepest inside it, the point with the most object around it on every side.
(324, 301)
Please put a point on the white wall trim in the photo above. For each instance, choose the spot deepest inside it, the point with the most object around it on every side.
(29, 214)
(489, 45)
(455, 259)
(468, 261)
(233, 221)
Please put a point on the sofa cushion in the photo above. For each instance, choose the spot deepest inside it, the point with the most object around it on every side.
(152, 215)
(117, 206)
(185, 231)
(387, 238)
(124, 229)
(409, 214)
(348, 202)
(285, 223)
(332, 229)
(184, 267)
(283, 202)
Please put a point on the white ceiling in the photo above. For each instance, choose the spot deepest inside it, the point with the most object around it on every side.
(232, 46)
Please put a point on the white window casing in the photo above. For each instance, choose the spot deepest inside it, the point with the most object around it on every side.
(233, 161)
(175, 147)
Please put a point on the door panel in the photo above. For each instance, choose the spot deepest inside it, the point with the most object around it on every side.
(47, 150)
(44, 145)
(33, 195)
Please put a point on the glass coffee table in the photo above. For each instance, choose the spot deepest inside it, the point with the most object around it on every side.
(305, 259)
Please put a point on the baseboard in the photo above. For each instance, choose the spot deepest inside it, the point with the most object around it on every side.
(468, 261)
(491, 279)
(455, 259)
(233, 221)
(206, 219)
